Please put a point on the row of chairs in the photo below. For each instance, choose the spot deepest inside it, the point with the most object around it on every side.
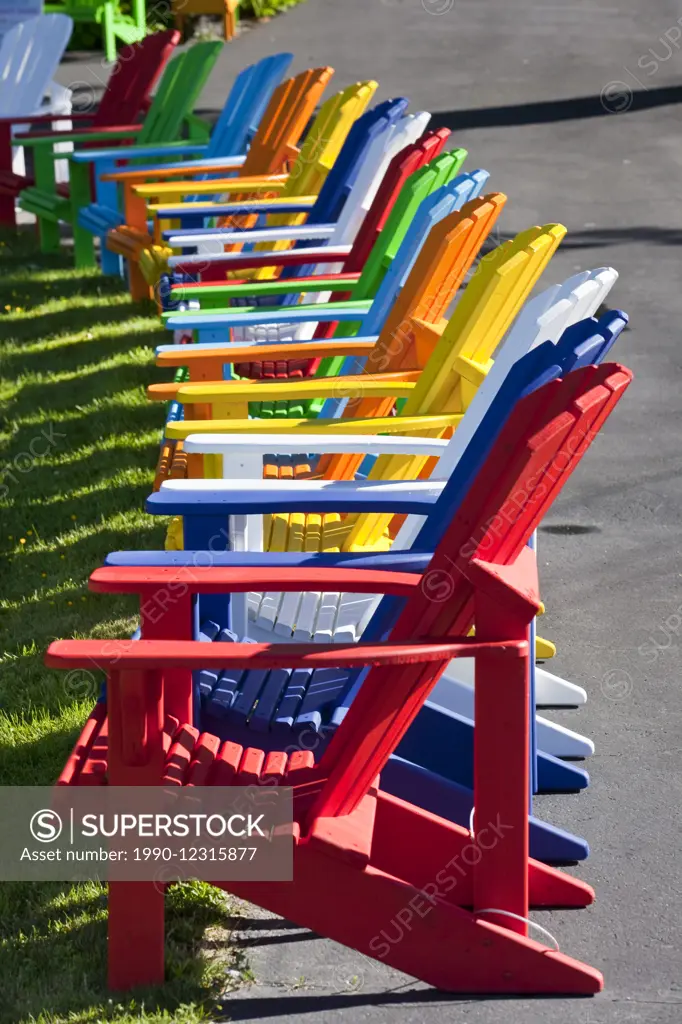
(354, 586)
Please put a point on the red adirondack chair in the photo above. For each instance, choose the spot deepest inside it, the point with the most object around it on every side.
(125, 99)
(361, 857)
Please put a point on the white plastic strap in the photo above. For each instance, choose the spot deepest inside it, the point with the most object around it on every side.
(524, 920)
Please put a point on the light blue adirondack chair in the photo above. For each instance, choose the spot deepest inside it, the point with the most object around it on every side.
(230, 136)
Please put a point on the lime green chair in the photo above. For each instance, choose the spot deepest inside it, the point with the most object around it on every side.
(129, 28)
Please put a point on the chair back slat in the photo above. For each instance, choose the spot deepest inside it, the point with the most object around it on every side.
(284, 121)
(133, 76)
(245, 105)
(178, 91)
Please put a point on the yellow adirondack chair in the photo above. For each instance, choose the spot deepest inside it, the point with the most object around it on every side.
(461, 355)
(308, 172)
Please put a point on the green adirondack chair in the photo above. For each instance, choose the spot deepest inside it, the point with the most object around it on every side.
(169, 113)
(129, 28)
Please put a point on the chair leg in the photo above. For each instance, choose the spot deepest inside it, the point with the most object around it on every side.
(8, 217)
(83, 247)
(109, 32)
(136, 934)
(7, 210)
(110, 261)
(139, 288)
(48, 234)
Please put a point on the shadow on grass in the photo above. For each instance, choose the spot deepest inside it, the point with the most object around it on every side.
(64, 506)
(54, 948)
(86, 352)
(77, 459)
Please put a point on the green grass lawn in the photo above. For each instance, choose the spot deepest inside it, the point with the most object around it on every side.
(78, 445)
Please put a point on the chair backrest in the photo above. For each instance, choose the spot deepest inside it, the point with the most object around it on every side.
(444, 200)
(291, 105)
(403, 165)
(401, 225)
(363, 197)
(178, 91)
(406, 130)
(487, 307)
(462, 354)
(319, 151)
(585, 342)
(446, 255)
(545, 317)
(447, 199)
(530, 372)
(326, 137)
(246, 104)
(29, 56)
(420, 185)
(372, 124)
(133, 76)
(498, 510)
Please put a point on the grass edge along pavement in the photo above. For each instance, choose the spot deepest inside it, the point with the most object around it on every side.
(78, 444)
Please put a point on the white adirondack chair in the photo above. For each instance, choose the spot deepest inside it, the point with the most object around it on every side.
(338, 237)
(30, 53)
(343, 617)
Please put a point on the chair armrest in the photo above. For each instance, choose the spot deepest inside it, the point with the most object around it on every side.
(279, 204)
(181, 429)
(188, 355)
(180, 169)
(194, 654)
(315, 444)
(323, 312)
(210, 294)
(81, 135)
(215, 186)
(390, 561)
(132, 152)
(387, 385)
(254, 260)
(227, 236)
(250, 497)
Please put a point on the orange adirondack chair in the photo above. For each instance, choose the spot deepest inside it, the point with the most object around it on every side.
(273, 149)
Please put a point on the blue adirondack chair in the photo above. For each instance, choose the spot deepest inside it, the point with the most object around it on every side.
(230, 136)
(368, 149)
(433, 763)
(337, 213)
(327, 206)
(369, 315)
